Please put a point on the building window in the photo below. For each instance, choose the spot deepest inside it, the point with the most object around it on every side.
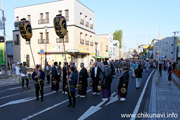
(91, 25)
(166, 42)
(81, 19)
(81, 39)
(67, 15)
(16, 42)
(17, 18)
(47, 37)
(166, 50)
(41, 40)
(60, 12)
(47, 17)
(172, 44)
(171, 52)
(92, 44)
(106, 48)
(29, 18)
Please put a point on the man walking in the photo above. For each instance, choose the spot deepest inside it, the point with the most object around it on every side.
(48, 72)
(17, 72)
(23, 71)
(133, 69)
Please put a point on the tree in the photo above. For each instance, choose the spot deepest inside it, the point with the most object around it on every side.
(117, 35)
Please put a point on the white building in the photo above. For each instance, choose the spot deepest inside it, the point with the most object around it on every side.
(165, 48)
(79, 41)
(116, 49)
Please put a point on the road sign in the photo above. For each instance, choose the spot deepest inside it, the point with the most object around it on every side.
(41, 52)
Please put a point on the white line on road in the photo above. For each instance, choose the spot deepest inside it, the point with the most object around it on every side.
(23, 100)
(94, 109)
(49, 108)
(133, 117)
(20, 93)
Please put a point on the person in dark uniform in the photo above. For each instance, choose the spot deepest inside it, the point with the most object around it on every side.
(55, 80)
(95, 77)
(123, 84)
(38, 76)
(83, 75)
(72, 79)
(64, 91)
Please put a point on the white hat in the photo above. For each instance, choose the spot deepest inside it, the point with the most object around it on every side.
(18, 63)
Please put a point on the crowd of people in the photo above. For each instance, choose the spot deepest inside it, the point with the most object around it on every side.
(101, 74)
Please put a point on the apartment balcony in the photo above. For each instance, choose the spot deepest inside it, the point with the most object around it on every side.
(43, 21)
(82, 41)
(91, 26)
(87, 24)
(81, 21)
(43, 41)
(91, 43)
(87, 42)
(60, 40)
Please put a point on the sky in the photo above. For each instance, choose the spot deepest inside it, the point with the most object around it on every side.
(140, 20)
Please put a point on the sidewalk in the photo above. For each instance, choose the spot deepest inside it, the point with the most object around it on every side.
(165, 99)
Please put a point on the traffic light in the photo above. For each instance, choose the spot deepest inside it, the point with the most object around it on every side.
(60, 25)
(25, 29)
(1, 39)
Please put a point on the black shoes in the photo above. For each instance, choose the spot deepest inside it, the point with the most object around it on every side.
(70, 105)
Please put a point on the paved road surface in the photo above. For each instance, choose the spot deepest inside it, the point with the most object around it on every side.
(17, 104)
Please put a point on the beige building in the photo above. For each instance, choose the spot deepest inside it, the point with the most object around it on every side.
(79, 41)
(102, 45)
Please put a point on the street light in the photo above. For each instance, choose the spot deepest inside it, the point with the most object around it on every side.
(45, 45)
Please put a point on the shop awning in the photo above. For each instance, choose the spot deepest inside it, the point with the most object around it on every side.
(99, 57)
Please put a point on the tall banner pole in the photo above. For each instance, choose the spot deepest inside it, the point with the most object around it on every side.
(61, 30)
(25, 30)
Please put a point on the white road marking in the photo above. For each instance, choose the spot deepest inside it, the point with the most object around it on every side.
(91, 110)
(23, 100)
(113, 99)
(133, 117)
(20, 93)
(49, 108)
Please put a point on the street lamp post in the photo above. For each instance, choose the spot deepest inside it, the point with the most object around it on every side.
(175, 46)
(45, 44)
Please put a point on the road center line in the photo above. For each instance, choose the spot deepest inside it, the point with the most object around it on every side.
(133, 117)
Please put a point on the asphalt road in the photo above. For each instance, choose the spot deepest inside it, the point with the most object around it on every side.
(17, 104)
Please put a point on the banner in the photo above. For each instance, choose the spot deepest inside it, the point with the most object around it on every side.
(2, 59)
(53, 48)
(83, 49)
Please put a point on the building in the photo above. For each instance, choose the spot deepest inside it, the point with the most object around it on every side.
(79, 41)
(110, 44)
(9, 48)
(116, 51)
(165, 48)
(103, 45)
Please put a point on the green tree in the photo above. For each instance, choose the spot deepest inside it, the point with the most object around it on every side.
(178, 43)
(117, 35)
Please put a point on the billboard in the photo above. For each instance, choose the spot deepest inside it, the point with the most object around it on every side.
(2, 59)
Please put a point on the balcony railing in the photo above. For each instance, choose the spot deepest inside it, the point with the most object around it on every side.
(91, 26)
(91, 43)
(87, 24)
(43, 41)
(82, 41)
(81, 21)
(60, 40)
(43, 21)
(87, 42)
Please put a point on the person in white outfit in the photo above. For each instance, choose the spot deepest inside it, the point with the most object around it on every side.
(18, 73)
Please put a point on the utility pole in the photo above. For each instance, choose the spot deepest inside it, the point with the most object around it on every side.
(45, 45)
(175, 46)
(4, 31)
